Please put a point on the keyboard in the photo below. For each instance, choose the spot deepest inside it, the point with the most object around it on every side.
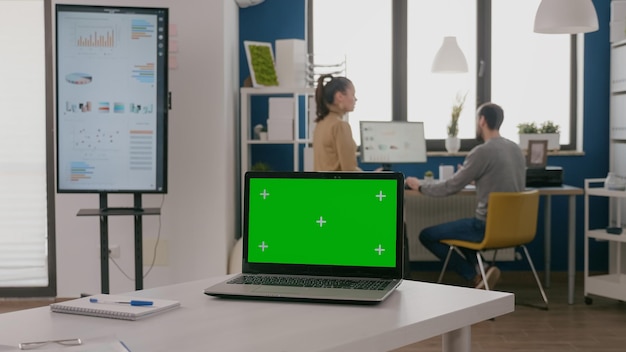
(354, 284)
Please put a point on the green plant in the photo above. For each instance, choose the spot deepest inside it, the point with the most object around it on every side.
(261, 166)
(263, 65)
(527, 127)
(549, 127)
(428, 174)
(457, 108)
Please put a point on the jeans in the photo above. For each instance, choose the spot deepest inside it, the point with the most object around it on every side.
(472, 230)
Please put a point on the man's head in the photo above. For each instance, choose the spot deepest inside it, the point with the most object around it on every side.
(489, 117)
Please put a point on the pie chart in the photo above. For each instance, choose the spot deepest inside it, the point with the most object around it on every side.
(78, 78)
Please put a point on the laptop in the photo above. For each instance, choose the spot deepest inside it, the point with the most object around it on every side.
(320, 236)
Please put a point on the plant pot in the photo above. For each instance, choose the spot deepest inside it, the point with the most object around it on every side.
(552, 138)
(263, 136)
(453, 144)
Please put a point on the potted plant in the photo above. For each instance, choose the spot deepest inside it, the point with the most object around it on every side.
(428, 176)
(453, 143)
(263, 133)
(548, 131)
(261, 166)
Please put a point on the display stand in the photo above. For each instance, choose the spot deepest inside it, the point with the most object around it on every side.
(104, 212)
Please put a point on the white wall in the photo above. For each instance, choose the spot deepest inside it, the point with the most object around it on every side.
(198, 215)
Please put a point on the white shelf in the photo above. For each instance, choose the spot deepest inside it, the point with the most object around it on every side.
(603, 192)
(611, 285)
(301, 138)
(277, 91)
(603, 235)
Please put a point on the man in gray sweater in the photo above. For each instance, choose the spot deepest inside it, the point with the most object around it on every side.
(497, 165)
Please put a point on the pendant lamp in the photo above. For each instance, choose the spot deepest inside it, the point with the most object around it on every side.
(566, 17)
(247, 3)
(449, 58)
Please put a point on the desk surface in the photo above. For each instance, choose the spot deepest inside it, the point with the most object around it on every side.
(544, 191)
(417, 311)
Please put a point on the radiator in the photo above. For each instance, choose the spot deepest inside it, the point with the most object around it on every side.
(422, 211)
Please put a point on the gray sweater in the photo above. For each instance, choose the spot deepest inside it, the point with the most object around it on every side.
(496, 166)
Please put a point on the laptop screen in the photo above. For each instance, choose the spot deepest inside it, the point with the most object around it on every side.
(323, 220)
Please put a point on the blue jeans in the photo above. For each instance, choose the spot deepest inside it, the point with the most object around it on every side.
(472, 230)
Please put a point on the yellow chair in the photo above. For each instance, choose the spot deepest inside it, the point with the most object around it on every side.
(511, 222)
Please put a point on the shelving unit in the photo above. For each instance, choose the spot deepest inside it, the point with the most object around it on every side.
(299, 138)
(617, 141)
(613, 284)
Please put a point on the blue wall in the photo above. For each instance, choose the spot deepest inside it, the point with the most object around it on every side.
(280, 19)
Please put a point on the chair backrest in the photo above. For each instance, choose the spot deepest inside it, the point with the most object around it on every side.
(511, 219)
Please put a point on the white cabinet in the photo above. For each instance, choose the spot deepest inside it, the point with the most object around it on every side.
(300, 124)
(613, 284)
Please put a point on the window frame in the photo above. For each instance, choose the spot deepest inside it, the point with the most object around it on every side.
(51, 289)
(483, 79)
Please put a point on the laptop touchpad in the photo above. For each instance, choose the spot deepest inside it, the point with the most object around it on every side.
(279, 290)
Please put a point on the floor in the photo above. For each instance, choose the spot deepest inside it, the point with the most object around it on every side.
(599, 327)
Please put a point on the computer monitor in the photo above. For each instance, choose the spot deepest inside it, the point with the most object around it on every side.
(392, 142)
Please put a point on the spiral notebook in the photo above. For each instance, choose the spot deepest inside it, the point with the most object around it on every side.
(114, 306)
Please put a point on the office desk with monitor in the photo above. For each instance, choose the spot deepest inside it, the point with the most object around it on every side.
(547, 193)
(415, 312)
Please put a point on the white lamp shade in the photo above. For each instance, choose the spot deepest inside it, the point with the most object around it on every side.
(449, 58)
(566, 17)
(247, 3)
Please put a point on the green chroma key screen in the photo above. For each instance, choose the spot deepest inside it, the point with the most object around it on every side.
(349, 222)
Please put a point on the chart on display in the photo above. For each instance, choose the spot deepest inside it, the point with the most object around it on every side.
(111, 99)
(390, 142)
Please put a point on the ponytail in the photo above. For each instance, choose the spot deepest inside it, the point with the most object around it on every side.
(325, 93)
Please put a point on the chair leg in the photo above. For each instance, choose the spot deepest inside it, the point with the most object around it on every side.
(532, 267)
(479, 257)
(445, 264)
(493, 259)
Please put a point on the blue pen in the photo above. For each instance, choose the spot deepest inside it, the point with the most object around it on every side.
(132, 302)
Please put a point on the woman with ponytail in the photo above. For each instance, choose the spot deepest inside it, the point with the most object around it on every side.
(334, 148)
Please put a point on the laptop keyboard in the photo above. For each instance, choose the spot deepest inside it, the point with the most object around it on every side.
(310, 282)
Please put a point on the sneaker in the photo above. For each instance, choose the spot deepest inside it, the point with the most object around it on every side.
(493, 275)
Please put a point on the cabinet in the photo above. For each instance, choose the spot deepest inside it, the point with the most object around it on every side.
(613, 284)
(301, 136)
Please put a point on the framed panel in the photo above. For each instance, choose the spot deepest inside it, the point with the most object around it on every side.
(261, 64)
(537, 155)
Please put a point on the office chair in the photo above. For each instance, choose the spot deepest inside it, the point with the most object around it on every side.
(511, 222)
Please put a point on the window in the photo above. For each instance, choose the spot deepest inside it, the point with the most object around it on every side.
(365, 41)
(24, 250)
(431, 95)
(528, 74)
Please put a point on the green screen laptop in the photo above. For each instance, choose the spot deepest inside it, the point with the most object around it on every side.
(326, 236)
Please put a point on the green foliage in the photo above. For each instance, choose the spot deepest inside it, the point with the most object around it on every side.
(531, 127)
(549, 127)
(261, 166)
(457, 108)
(263, 65)
(527, 128)
(428, 174)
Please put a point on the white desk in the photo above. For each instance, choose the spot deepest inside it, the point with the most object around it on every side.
(417, 311)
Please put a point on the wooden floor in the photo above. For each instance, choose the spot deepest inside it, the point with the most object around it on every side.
(599, 327)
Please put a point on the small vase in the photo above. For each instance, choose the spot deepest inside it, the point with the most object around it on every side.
(453, 144)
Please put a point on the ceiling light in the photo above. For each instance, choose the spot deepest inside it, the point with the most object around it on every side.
(566, 17)
(449, 58)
